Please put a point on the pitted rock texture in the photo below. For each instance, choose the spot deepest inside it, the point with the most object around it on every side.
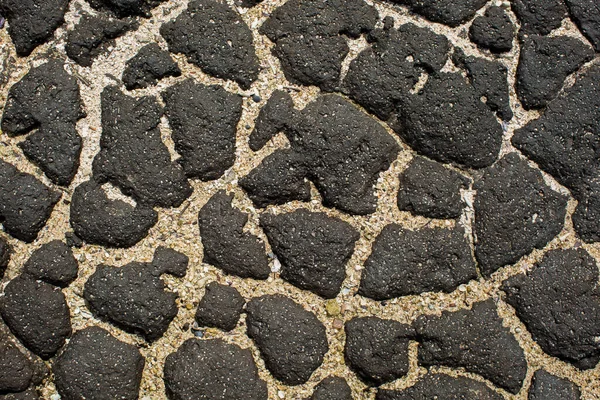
(313, 249)
(169, 261)
(405, 262)
(212, 370)
(16, 371)
(377, 349)
(444, 11)
(545, 386)
(126, 8)
(559, 302)
(539, 16)
(221, 307)
(586, 14)
(216, 39)
(95, 366)
(291, 340)
(28, 394)
(148, 66)
(53, 263)
(332, 388)
(475, 340)
(5, 253)
(493, 31)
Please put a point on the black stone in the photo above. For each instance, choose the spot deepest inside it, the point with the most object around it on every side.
(53, 263)
(377, 349)
(405, 262)
(544, 64)
(73, 240)
(169, 261)
(515, 213)
(559, 302)
(493, 31)
(221, 307)
(204, 122)
(212, 370)
(475, 340)
(126, 8)
(37, 313)
(216, 39)
(291, 340)
(539, 16)
(28, 394)
(248, 3)
(447, 12)
(16, 371)
(5, 253)
(332, 388)
(586, 14)
(226, 245)
(545, 386)
(313, 249)
(97, 365)
(148, 66)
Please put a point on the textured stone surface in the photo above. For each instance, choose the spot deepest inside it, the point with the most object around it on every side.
(586, 14)
(493, 31)
(332, 388)
(126, 8)
(16, 370)
(444, 11)
(5, 253)
(545, 386)
(221, 307)
(53, 263)
(539, 16)
(148, 66)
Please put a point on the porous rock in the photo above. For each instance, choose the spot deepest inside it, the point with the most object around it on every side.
(127, 8)
(53, 263)
(148, 66)
(5, 253)
(586, 14)
(545, 386)
(539, 16)
(16, 370)
(221, 307)
(493, 31)
(444, 11)
(332, 388)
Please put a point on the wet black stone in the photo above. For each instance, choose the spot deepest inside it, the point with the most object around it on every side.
(332, 143)
(332, 388)
(539, 16)
(545, 386)
(221, 307)
(25, 203)
(444, 11)
(309, 41)
(113, 223)
(148, 66)
(377, 349)
(405, 262)
(475, 340)
(515, 213)
(559, 302)
(442, 387)
(544, 64)
(291, 340)
(5, 253)
(493, 31)
(214, 37)
(430, 189)
(16, 370)
(212, 370)
(93, 35)
(226, 245)
(37, 313)
(313, 249)
(97, 365)
(53, 263)
(169, 261)
(126, 8)
(132, 154)
(586, 14)
(204, 121)
(32, 22)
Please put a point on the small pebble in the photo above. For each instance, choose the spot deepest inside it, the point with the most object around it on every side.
(332, 307)
(256, 98)
(338, 324)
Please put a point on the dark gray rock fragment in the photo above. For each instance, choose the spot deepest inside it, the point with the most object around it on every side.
(248, 3)
(212, 370)
(446, 12)
(53, 263)
(221, 307)
(515, 213)
(5, 253)
(313, 249)
(539, 16)
(126, 8)
(148, 66)
(493, 31)
(545, 386)
(291, 340)
(169, 261)
(475, 340)
(16, 371)
(95, 366)
(332, 388)
(586, 14)
(28, 394)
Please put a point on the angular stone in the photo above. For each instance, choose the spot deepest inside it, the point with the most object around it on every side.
(332, 388)
(545, 386)
(444, 11)
(221, 307)
(539, 16)
(128, 8)
(5, 253)
(148, 66)
(169, 261)
(586, 14)
(53, 263)
(493, 31)
(16, 370)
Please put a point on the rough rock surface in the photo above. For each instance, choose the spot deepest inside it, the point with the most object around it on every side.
(126, 8)
(332, 388)
(226, 245)
(545, 386)
(291, 340)
(16, 370)
(515, 213)
(212, 370)
(95, 365)
(5, 253)
(169, 261)
(586, 14)
(444, 11)
(377, 349)
(475, 340)
(313, 249)
(53, 263)
(539, 16)
(28, 394)
(203, 120)
(405, 262)
(559, 302)
(148, 66)
(216, 39)
(493, 31)
(221, 307)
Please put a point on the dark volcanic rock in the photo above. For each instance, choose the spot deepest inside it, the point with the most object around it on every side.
(95, 365)
(313, 249)
(430, 189)
(447, 12)
(539, 16)
(28, 394)
(545, 386)
(544, 64)
(53, 263)
(148, 66)
(308, 37)
(586, 15)
(132, 155)
(442, 387)
(559, 302)
(16, 371)
(126, 8)
(475, 340)
(216, 39)
(332, 388)
(333, 144)
(169, 261)
(32, 22)
(221, 307)
(5, 252)
(212, 370)
(493, 31)
(405, 262)
(226, 245)
(93, 35)
(515, 213)
(204, 122)
(113, 223)
(377, 349)
(291, 340)
(248, 3)
(25, 203)
(37, 313)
